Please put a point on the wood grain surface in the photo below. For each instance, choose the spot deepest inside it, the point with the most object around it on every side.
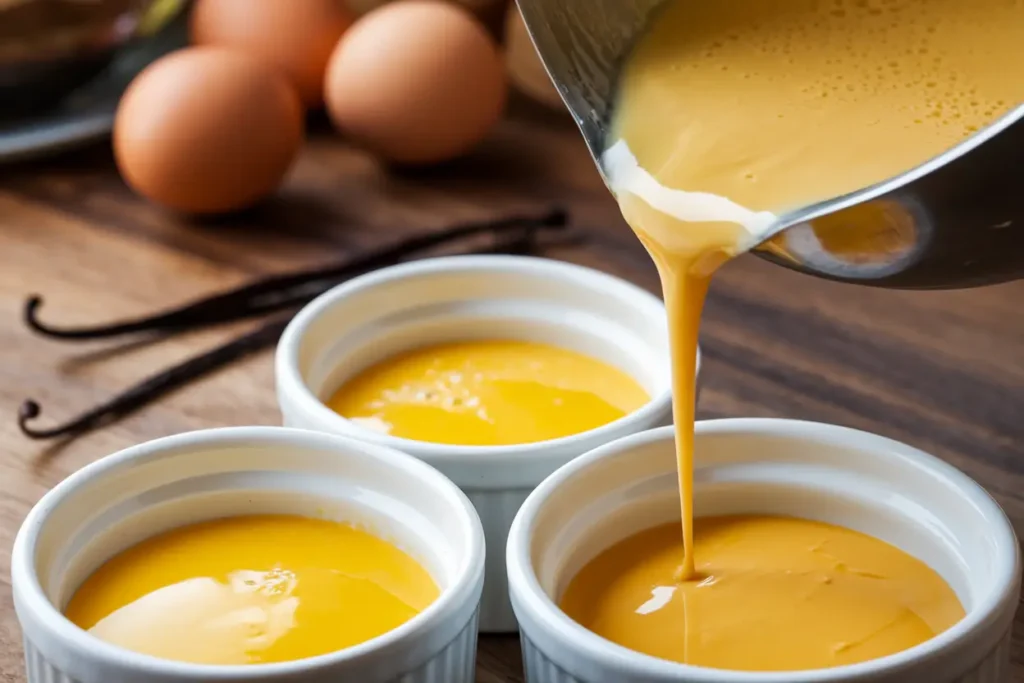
(943, 371)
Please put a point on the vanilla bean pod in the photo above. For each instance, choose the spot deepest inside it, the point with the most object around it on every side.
(153, 387)
(287, 291)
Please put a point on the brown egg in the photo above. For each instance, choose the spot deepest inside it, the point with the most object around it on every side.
(297, 36)
(416, 81)
(207, 130)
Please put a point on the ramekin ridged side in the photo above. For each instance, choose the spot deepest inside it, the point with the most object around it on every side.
(457, 298)
(842, 476)
(456, 663)
(131, 495)
(538, 668)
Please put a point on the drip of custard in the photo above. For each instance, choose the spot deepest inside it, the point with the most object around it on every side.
(488, 393)
(775, 594)
(251, 590)
(732, 112)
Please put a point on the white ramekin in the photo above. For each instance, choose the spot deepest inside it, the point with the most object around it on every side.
(375, 316)
(124, 498)
(823, 472)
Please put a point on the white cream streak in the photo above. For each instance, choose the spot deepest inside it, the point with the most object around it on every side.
(625, 174)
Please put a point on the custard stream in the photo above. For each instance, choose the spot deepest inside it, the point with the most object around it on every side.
(251, 590)
(732, 112)
(487, 393)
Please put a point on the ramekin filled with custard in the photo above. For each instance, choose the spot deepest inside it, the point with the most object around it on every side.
(250, 554)
(821, 555)
(496, 370)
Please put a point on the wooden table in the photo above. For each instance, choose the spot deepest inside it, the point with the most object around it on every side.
(943, 371)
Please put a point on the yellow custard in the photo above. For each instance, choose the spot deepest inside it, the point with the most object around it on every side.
(774, 594)
(734, 111)
(488, 393)
(251, 590)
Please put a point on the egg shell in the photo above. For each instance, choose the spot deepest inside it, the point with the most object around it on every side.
(297, 36)
(416, 82)
(207, 130)
(491, 13)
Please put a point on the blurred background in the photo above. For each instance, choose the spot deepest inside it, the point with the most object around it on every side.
(65, 63)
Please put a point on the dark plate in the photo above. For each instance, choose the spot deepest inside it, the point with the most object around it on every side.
(87, 114)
